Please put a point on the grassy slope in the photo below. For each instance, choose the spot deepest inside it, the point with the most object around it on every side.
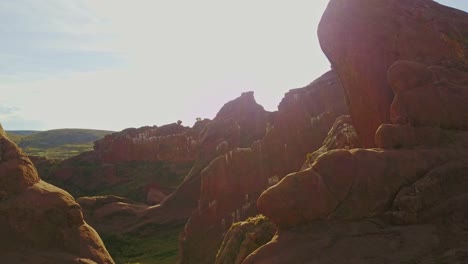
(133, 175)
(145, 249)
(57, 143)
(160, 246)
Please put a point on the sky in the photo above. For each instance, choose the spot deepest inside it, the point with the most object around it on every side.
(114, 64)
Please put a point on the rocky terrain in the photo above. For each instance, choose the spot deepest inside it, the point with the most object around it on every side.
(39, 222)
(367, 164)
(141, 164)
(238, 124)
(232, 182)
(404, 70)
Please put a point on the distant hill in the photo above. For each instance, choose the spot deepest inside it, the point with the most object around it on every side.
(57, 143)
(23, 132)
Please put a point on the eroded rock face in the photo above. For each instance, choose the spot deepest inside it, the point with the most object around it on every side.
(369, 241)
(232, 182)
(237, 125)
(173, 143)
(403, 66)
(363, 185)
(362, 39)
(148, 155)
(244, 238)
(429, 96)
(38, 221)
(342, 135)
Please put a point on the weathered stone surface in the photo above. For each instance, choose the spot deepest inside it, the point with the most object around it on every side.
(363, 185)
(38, 221)
(363, 242)
(390, 136)
(421, 222)
(147, 155)
(437, 99)
(363, 38)
(403, 66)
(342, 135)
(173, 143)
(244, 238)
(238, 124)
(232, 182)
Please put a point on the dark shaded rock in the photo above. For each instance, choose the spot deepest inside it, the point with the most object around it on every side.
(362, 39)
(244, 238)
(38, 221)
(232, 182)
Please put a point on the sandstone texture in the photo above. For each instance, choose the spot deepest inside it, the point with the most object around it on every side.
(232, 182)
(39, 222)
(243, 238)
(124, 163)
(403, 67)
(363, 39)
(238, 124)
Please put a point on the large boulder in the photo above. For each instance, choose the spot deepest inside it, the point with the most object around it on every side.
(363, 38)
(39, 222)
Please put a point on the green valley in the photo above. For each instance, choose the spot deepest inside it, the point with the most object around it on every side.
(57, 143)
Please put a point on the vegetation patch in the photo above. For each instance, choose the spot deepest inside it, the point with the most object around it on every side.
(244, 238)
(161, 248)
(58, 143)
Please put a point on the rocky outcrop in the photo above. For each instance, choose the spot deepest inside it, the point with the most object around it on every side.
(243, 238)
(364, 185)
(402, 64)
(376, 216)
(237, 125)
(39, 222)
(362, 39)
(172, 143)
(232, 182)
(124, 163)
(342, 135)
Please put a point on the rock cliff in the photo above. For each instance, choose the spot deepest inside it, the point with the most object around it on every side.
(125, 163)
(403, 67)
(233, 181)
(362, 39)
(238, 124)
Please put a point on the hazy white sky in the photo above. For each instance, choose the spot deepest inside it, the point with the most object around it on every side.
(114, 64)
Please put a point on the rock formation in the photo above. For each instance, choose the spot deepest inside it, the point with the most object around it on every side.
(238, 124)
(244, 238)
(232, 182)
(362, 39)
(403, 67)
(125, 163)
(39, 222)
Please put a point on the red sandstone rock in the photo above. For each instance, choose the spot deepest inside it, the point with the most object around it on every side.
(173, 143)
(399, 61)
(342, 135)
(232, 182)
(428, 96)
(38, 221)
(147, 154)
(238, 124)
(362, 39)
